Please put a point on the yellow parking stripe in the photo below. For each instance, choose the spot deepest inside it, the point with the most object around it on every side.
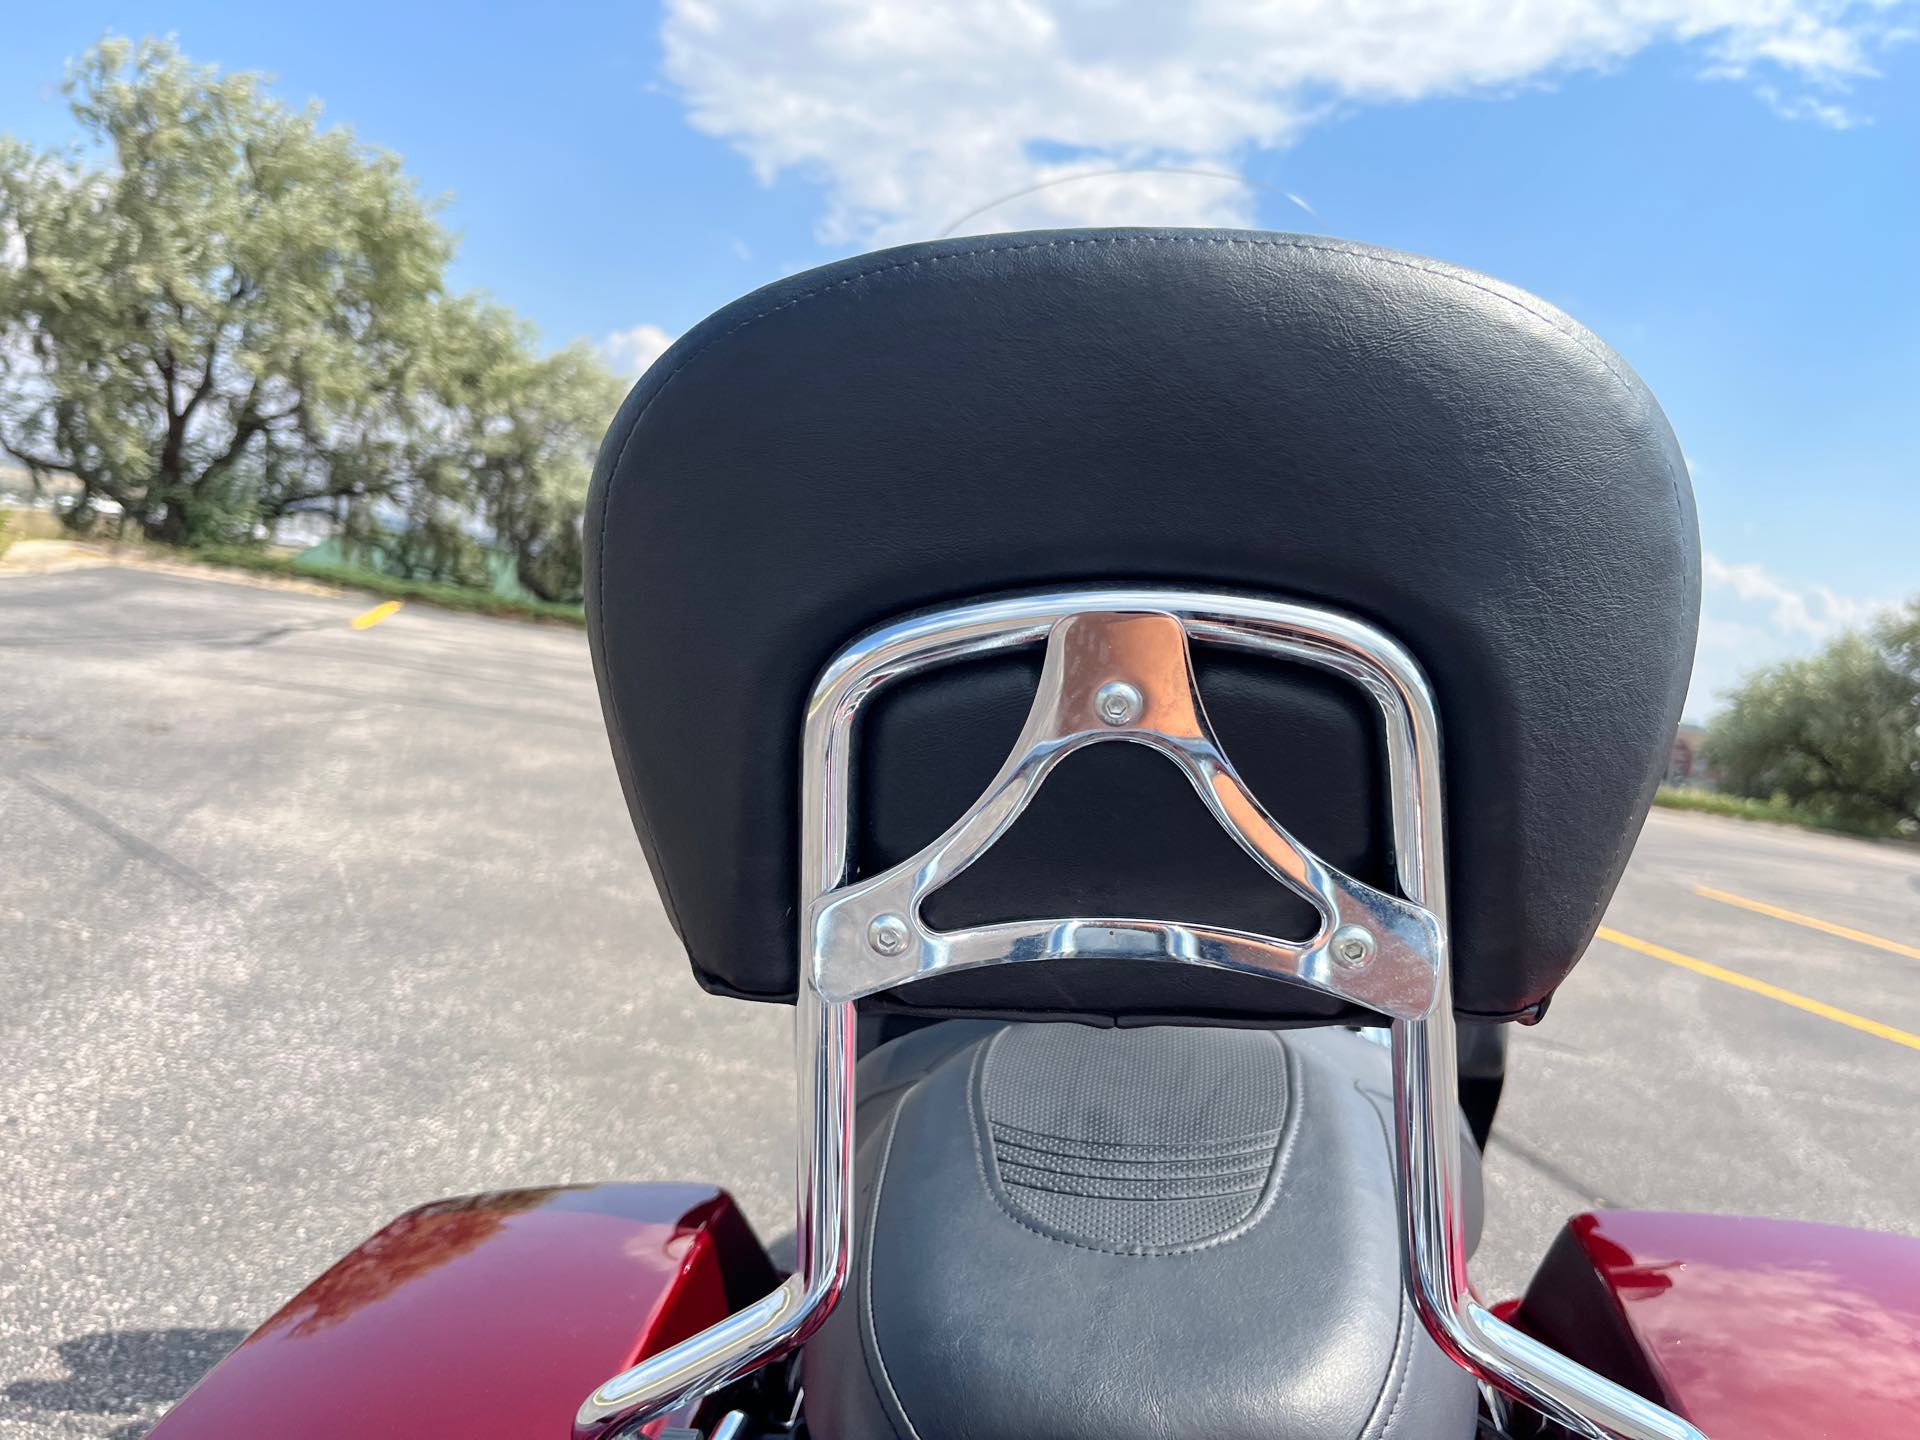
(1793, 917)
(1761, 987)
(374, 616)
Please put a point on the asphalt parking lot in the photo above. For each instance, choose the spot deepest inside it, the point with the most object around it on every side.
(303, 924)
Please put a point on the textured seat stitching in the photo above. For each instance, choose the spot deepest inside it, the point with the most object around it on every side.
(988, 1169)
(1121, 1187)
(1261, 1140)
(1130, 1167)
(1158, 1175)
(1132, 1172)
(1570, 330)
(883, 1385)
(1018, 1152)
(1129, 1172)
(1171, 1198)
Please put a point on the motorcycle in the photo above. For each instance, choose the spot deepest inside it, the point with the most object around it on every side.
(1104, 681)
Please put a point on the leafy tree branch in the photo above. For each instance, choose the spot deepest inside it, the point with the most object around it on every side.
(236, 312)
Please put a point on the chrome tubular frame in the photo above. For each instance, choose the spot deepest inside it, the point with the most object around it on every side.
(1118, 667)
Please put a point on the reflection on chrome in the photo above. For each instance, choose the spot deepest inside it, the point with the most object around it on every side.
(1391, 947)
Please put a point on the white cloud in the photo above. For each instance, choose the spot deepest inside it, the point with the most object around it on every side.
(1812, 611)
(913, 113)
(1830, 113)
(1750, 617)
(630, 352)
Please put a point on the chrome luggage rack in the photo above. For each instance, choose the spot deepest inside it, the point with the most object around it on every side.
(1118, 666)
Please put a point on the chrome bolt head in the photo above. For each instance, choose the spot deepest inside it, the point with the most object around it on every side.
(1352, 946)
(1117, 703)
(887, 934)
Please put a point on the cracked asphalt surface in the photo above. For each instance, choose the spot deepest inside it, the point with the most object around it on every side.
(301, 926)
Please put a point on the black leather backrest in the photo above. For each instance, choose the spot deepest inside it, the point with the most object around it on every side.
(1418, 445)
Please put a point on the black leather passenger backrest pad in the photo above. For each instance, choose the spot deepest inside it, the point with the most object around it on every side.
(1287, 416)
(1117, 831)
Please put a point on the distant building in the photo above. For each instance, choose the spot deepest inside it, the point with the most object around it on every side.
(302, 529)
(1684, 763)
(337, 552)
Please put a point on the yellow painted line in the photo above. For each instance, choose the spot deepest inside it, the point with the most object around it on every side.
(1761, 987)
(374, 616)
(1794, 917)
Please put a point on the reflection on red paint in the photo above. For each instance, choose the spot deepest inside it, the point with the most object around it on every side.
(489, 1317)
(1630, 1279)
(1753, 1329)
(417, 1242)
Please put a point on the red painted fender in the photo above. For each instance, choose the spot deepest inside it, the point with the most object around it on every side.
(1752, 1329)
(489, 1317)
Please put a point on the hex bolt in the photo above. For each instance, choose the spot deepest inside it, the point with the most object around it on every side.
(887, 934)
(1117, 703)
(1352, 946)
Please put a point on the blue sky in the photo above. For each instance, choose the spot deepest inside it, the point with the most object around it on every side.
(1732, 204)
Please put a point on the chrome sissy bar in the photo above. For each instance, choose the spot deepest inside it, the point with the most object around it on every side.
(1118, 666)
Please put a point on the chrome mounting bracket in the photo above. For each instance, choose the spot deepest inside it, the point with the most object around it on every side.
(1118, 666)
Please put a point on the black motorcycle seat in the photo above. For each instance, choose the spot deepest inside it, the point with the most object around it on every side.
(1072, 1233)
(1283, 416)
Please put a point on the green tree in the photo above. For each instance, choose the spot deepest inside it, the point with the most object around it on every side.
(498, 445)
(1837, 734)
(242, 314)
(533, 460)
(223, 322)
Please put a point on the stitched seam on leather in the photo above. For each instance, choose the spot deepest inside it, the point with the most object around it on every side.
(1254, 1157)
(1585, 340)
(1251, 1169)
(989, 1170)
(1200, 1149)
(1162, 1199)
(623, 762)
(1399, 1380)
(883, 1386)
(1565, 327)
(883, 1091)
(1402, 1340)
(1249, 1177)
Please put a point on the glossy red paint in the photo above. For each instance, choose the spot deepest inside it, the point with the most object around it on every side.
(1752, 1329)
(489, 1317)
